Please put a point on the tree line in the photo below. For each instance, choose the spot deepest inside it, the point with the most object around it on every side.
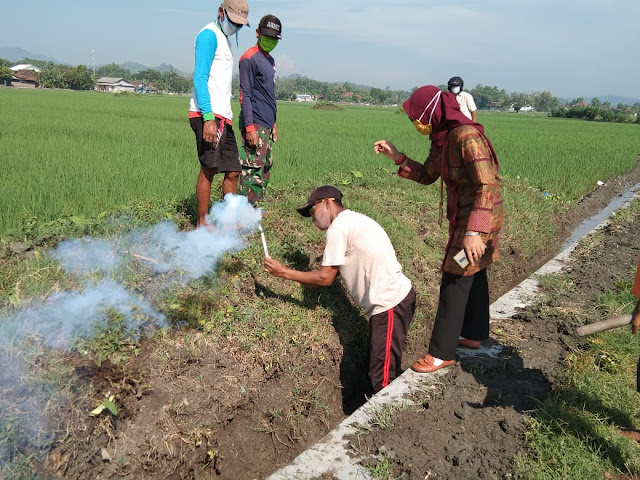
(81, 77)
(487, 97)
(599, 111)
(167, 82)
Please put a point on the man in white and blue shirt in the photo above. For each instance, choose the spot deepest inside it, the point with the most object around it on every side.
(210, 112)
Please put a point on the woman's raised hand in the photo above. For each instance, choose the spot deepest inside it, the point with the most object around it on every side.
(388, 149)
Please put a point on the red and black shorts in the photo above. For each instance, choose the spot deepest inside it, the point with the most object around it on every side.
(221, 156)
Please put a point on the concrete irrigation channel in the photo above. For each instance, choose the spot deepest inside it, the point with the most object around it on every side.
(332, 457)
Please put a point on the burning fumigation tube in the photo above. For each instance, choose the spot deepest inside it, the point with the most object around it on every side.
(264, 241)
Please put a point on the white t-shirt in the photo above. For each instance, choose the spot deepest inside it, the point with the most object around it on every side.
(360, 247)
(467, 104)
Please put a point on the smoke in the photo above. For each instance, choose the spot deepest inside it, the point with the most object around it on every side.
(62, 318)
(163, 248)
(66, 316)
(83, 256)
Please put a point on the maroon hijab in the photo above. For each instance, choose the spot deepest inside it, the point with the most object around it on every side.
(446, 114)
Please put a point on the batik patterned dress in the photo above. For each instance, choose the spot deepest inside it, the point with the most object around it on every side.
(474, 200)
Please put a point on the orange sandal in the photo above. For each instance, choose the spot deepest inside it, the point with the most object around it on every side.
(427, 364)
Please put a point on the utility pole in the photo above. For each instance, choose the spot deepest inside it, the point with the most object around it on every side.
(93, 58)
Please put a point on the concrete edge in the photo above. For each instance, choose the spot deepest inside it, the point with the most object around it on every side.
(332, 453)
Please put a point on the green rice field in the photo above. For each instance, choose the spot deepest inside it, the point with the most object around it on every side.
(79, 153)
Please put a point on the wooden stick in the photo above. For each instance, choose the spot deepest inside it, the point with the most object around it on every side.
(147, 259)
(142, 257)
(603, 325)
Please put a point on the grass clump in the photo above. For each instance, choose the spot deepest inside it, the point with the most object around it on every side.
(326, 105)
(112, 339)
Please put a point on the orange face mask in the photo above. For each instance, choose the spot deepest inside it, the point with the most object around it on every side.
(422, 128)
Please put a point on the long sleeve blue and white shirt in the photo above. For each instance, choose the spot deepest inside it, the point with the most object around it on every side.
(212, 75)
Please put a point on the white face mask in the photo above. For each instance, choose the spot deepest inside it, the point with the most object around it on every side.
(227, 27)
(455, 90)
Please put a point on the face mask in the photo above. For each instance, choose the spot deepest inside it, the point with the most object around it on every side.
(426, 129)
(267, 43)
(227, 27)
(422, 129)
(455, 90)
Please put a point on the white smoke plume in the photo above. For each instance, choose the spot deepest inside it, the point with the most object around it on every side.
(64, 317)
(163, 248)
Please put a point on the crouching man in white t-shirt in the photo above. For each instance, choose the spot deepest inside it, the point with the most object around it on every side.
(360, 250)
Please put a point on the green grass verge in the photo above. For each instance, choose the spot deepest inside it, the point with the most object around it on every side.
(574, 433)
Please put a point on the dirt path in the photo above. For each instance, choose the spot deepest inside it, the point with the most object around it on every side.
(475, 426)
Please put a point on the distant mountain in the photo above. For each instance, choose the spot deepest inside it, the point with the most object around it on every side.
(614, 99)
(15, 54)
(135, 67)
(167, 67)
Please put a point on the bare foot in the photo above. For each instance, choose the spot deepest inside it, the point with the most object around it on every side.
(207, 226)
(631, 434)
(613, 476)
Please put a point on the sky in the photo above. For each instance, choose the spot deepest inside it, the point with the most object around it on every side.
(572, 48)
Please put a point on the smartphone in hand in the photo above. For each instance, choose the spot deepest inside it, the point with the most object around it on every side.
(461, 258)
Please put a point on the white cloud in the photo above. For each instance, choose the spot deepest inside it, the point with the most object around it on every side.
(285, 65)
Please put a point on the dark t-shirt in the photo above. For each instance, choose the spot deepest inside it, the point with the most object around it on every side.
(257, 88)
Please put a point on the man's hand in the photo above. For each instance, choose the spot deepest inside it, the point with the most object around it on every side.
(474, 248)
(210, 132)
(388, 149)
(274, 267)
(252, 138)
(635, 318)
(314, 279)
(274, 133)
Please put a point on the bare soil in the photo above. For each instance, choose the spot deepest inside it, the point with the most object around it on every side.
(197, 410)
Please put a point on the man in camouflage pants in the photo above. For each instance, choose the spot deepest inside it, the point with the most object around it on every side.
(258, 115)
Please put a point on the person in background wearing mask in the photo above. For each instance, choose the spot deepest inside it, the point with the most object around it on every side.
(258, 115)
(463, 158)
(210, 112)
(465, 100)
(359, 249)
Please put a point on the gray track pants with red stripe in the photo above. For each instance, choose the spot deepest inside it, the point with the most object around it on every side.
(387, 334)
